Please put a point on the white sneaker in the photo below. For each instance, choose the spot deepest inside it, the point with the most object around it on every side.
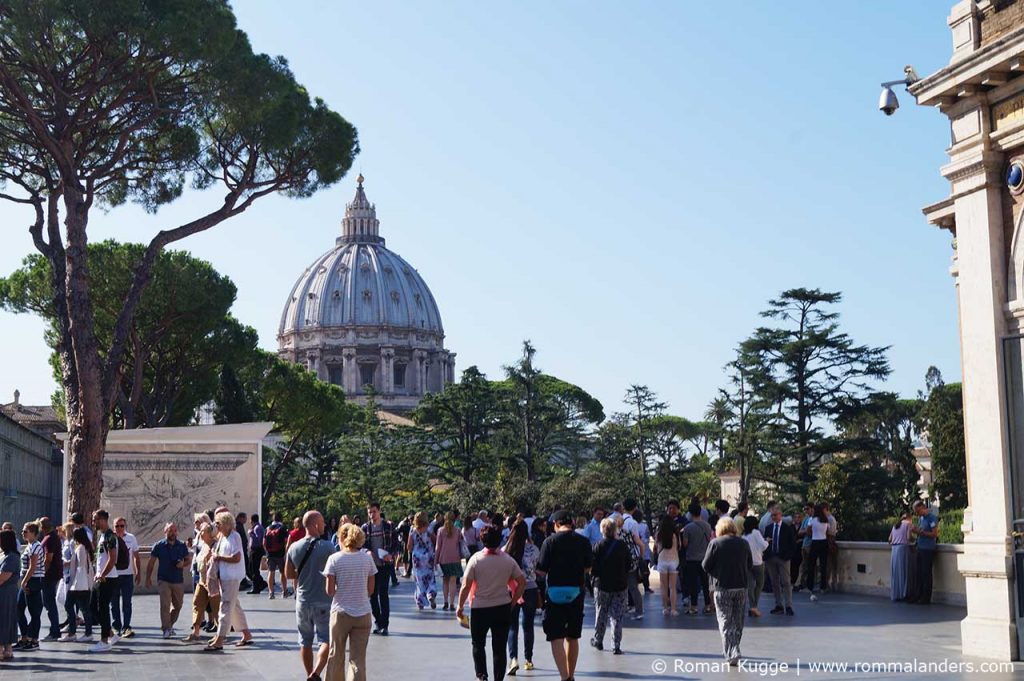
(66, 638)
(114, 638)
(167, 633)
(100, 647)
(84, 639)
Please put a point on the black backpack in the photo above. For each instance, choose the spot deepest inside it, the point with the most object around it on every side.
(123, 556)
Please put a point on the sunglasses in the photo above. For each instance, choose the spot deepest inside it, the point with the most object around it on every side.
(122, 525)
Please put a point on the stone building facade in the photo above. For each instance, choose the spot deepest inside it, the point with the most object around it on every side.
(362, 317)
(981, 91)
(30, 474)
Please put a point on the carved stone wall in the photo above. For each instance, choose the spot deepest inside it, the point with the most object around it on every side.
(161, 475)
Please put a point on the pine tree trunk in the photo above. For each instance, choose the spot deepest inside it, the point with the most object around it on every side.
(84, 449)
(88, 413)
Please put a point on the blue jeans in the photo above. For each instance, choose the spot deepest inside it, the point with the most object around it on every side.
(31, 601)
(50, 604)
(529, 610)
(121, 601)
(79, 600)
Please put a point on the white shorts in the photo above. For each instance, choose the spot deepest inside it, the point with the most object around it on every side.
(668, 566)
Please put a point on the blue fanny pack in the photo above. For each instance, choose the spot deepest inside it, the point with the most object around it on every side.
(563, 594)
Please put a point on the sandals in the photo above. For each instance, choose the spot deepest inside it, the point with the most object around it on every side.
(191, 638)
(210, 648)
(244, 642)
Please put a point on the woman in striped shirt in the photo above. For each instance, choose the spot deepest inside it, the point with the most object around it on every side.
(31, 596)
(350, 581)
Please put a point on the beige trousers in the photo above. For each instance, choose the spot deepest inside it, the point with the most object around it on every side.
(354, 632)
(171, 597)
(231, 613)
(200, 599)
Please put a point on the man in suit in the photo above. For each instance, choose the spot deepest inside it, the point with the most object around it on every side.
(781, 549)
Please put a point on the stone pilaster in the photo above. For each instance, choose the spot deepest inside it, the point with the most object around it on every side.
(989, 629)
(387, 367)
(350, 371)
(417, 375)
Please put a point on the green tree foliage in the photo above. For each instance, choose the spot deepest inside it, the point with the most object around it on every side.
(102, 103)
(382, 462)
(810, 371)
(545, 420)
(879, 454)
(747, 425)
(180, 341)
(458, 424)
(941, 418)
(306, 412)
(597, 484)
(832, 486)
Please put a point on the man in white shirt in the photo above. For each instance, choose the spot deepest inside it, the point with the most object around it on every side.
(128, 573)
(766, 519)
(482, 521)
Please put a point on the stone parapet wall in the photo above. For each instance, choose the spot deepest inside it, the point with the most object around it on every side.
(864, 568)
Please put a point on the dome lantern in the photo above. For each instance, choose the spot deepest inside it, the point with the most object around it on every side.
(360, 224)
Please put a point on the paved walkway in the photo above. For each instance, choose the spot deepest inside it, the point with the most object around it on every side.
(431, 645)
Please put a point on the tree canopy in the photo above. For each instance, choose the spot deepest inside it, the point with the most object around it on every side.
(102, 103)
(179, 342)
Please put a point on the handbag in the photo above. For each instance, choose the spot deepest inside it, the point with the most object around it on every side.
(62, 591)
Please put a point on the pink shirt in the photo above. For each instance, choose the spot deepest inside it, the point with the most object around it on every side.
(490, 574)
(448, 547)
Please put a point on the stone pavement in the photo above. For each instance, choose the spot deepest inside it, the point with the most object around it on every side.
(431, 645)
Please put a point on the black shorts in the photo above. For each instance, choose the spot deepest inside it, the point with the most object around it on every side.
(563, 621)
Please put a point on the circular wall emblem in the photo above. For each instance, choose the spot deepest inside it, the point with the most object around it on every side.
(1015, 177)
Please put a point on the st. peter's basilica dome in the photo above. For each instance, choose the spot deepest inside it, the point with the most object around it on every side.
(362, 316)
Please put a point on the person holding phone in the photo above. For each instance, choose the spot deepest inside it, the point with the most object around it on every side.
(173, 557)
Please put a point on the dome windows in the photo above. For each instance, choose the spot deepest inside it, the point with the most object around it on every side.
(367, 373)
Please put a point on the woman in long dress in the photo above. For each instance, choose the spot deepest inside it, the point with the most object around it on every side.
(421, 549)
(899, 539)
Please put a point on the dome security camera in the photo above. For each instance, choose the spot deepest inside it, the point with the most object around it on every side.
(887, 102)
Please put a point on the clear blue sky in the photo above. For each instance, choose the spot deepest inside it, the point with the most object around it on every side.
(625, 184)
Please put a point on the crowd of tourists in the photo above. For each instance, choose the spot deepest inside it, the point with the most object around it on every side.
(503, 569)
